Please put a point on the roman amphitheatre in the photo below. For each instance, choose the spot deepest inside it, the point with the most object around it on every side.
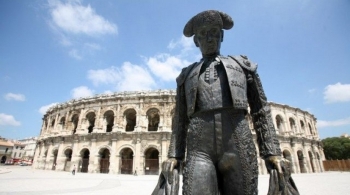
(129, 132)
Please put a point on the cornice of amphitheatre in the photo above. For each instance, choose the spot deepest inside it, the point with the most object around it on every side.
(114, 96)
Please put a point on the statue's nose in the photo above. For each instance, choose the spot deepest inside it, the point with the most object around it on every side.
(209, 37)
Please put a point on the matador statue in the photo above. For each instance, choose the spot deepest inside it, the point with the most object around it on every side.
(210, 133)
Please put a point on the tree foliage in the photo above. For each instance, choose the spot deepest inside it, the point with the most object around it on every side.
(336, 148)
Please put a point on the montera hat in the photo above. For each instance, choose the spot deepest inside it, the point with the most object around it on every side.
(208, 17)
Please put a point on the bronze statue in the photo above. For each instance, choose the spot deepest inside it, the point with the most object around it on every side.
(210, 125)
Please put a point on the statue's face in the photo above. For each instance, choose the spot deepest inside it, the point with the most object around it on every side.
(208, 38)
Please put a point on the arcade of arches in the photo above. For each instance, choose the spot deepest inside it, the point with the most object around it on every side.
(129, 132)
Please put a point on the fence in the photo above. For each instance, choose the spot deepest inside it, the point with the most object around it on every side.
(336, 165)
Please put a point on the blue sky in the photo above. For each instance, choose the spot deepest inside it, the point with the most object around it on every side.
(54, 51)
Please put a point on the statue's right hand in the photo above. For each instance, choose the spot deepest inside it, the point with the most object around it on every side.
(167, 168)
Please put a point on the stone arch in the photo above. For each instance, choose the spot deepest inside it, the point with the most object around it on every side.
(74, 120)
(127, 160)
(3, 159)
(301, 161)
(310, 129)
(279, 123)
(52, 125)
(302, 125)
(68, 152)
(45, 124)
(109, 120)
(287, 155)
(100, 148)
(311, 158)
(153, 119)
(151, 161)
(62, 122)
(55, 154)
(125, 146)
(84, 162)
(104, 155)
(292, 125)
(54, 151)
(45, 153)
(90, 118)
(130, 117)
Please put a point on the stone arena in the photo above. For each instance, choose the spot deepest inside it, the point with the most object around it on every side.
(129, 133)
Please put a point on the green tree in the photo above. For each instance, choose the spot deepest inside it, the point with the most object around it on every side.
(336, 148)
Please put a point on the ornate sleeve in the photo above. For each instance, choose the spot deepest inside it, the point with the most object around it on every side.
(180, 122)
(261, 116)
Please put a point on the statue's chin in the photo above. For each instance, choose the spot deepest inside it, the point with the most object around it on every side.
(210, 55)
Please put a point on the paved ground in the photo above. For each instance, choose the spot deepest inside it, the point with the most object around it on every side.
(16, 180)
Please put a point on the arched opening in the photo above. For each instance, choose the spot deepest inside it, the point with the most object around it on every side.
(301, 161)
(302, 125)
(54, 163)
(287, 155)
(62, 122)
(153, 119)
(311, 162)
(152, 162)
(126, 165)
(310, 129)
(90, 117)
(279, 123)
(45, 125)
(130, 117)
(68, 160)
(109, 118)
(75, 120)
(52, 123)
(3, 160)
(104, 160)
(85, 160)
(292, 125)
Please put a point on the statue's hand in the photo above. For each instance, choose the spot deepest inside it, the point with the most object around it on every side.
(168, 167)
(282, 166)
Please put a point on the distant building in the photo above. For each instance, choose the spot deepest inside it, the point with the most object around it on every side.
(17, 151)
(345, 135)
(29, 149)
(6, 148)
(129, 132)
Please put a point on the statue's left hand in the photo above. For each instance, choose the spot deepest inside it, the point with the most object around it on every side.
(282, 166)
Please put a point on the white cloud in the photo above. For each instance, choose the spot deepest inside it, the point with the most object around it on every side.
(337, 93)
(135, 77)
(15, 97)
(108, 92)
(127, 78)
(74, 54)
(184, 43)
(165, 66)
(8, 120)
(92, 46)
(312, 91)
(335, 123)
(81, 91)
(104, 76)
(43, 109)
(73, 17)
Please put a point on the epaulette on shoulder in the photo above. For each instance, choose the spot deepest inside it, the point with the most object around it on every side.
(183, 75)
(245, 63)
